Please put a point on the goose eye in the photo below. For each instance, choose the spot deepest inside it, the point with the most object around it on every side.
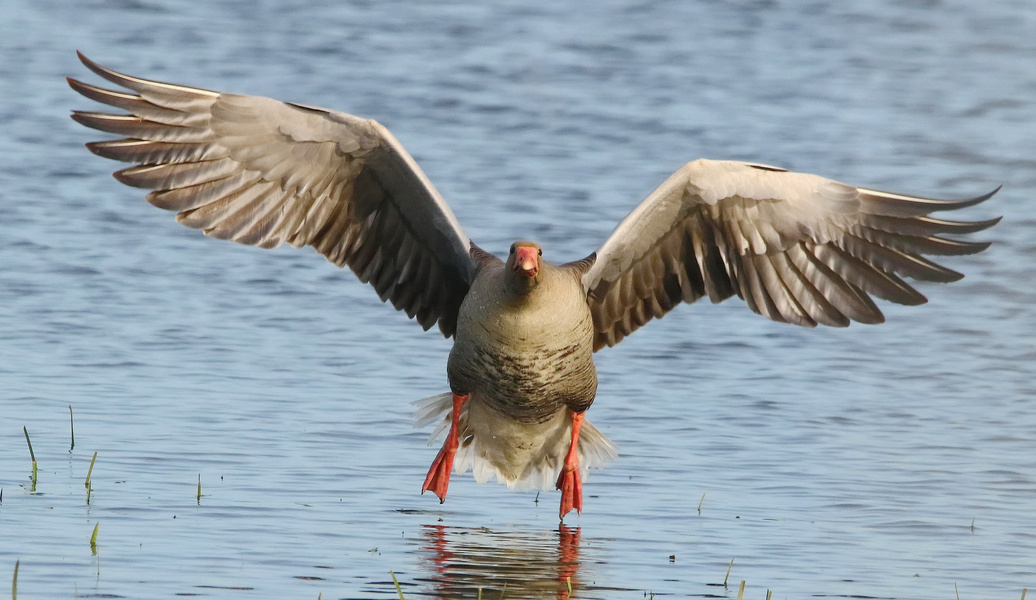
(512, 248)
(541, 252)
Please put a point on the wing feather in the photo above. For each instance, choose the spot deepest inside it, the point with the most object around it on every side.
(262, 172)
(796, 248)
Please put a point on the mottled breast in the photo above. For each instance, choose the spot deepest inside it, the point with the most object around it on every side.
(529, 355)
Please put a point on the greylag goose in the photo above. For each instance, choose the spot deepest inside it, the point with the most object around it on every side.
(796, 248)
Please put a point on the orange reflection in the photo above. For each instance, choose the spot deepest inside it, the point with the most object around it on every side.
(511, 564)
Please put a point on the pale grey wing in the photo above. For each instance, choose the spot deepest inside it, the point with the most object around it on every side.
(262, 172)
(797, 248)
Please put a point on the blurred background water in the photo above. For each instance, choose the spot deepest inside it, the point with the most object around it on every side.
(895, 461)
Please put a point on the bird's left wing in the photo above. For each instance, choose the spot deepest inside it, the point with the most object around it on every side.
(263, 172)
(797, 248)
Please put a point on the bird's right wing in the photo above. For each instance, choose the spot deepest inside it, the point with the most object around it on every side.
(797, 248)
(263, 172)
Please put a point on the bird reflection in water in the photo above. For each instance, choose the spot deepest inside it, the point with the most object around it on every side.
(510, 564)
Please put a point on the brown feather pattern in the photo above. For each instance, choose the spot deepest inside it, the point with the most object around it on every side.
(821, 269)
(262, 172)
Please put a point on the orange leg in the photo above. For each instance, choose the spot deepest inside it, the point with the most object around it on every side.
(570, 481)
(438, 479)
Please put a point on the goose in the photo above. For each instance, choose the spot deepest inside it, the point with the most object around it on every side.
(797, 248)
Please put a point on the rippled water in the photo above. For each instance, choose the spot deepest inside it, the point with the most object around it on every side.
(890, 462)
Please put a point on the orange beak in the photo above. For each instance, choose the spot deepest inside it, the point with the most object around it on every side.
(527, 261)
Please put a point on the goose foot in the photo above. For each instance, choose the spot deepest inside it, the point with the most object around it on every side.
(438, 479)
(570, 481)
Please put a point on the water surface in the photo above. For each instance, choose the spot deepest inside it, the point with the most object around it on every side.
(884, 462)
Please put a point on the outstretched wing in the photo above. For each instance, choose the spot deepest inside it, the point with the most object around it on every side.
(263, 172)
(797, 248)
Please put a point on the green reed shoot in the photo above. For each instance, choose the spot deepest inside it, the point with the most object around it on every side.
(955, 590)
(741, 590)
(71, 427)
(14, 582)
(199, 488)
(93, 539)
(727, 576)
(89, 472)
(398, 589)
(700, 502)
(32, 455)
(768, 594)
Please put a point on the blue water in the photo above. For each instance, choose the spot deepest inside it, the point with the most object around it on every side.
(896, 461)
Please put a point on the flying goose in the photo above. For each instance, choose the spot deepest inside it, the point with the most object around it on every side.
(796, 248)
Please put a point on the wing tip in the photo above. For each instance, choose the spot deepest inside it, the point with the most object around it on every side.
(139, 84)
(983, 225)
(931, 204)
(876, 318)
(74, 83)
(966, 202)
(96, 68)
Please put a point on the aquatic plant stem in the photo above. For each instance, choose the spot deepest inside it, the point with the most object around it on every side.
(71, 428)
(90, 471)
(32, 455)
(741, 590)
(398, 589)
(727, 576)
(93, 539)
(14, 582)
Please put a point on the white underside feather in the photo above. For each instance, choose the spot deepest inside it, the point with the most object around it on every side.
(523, 456)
